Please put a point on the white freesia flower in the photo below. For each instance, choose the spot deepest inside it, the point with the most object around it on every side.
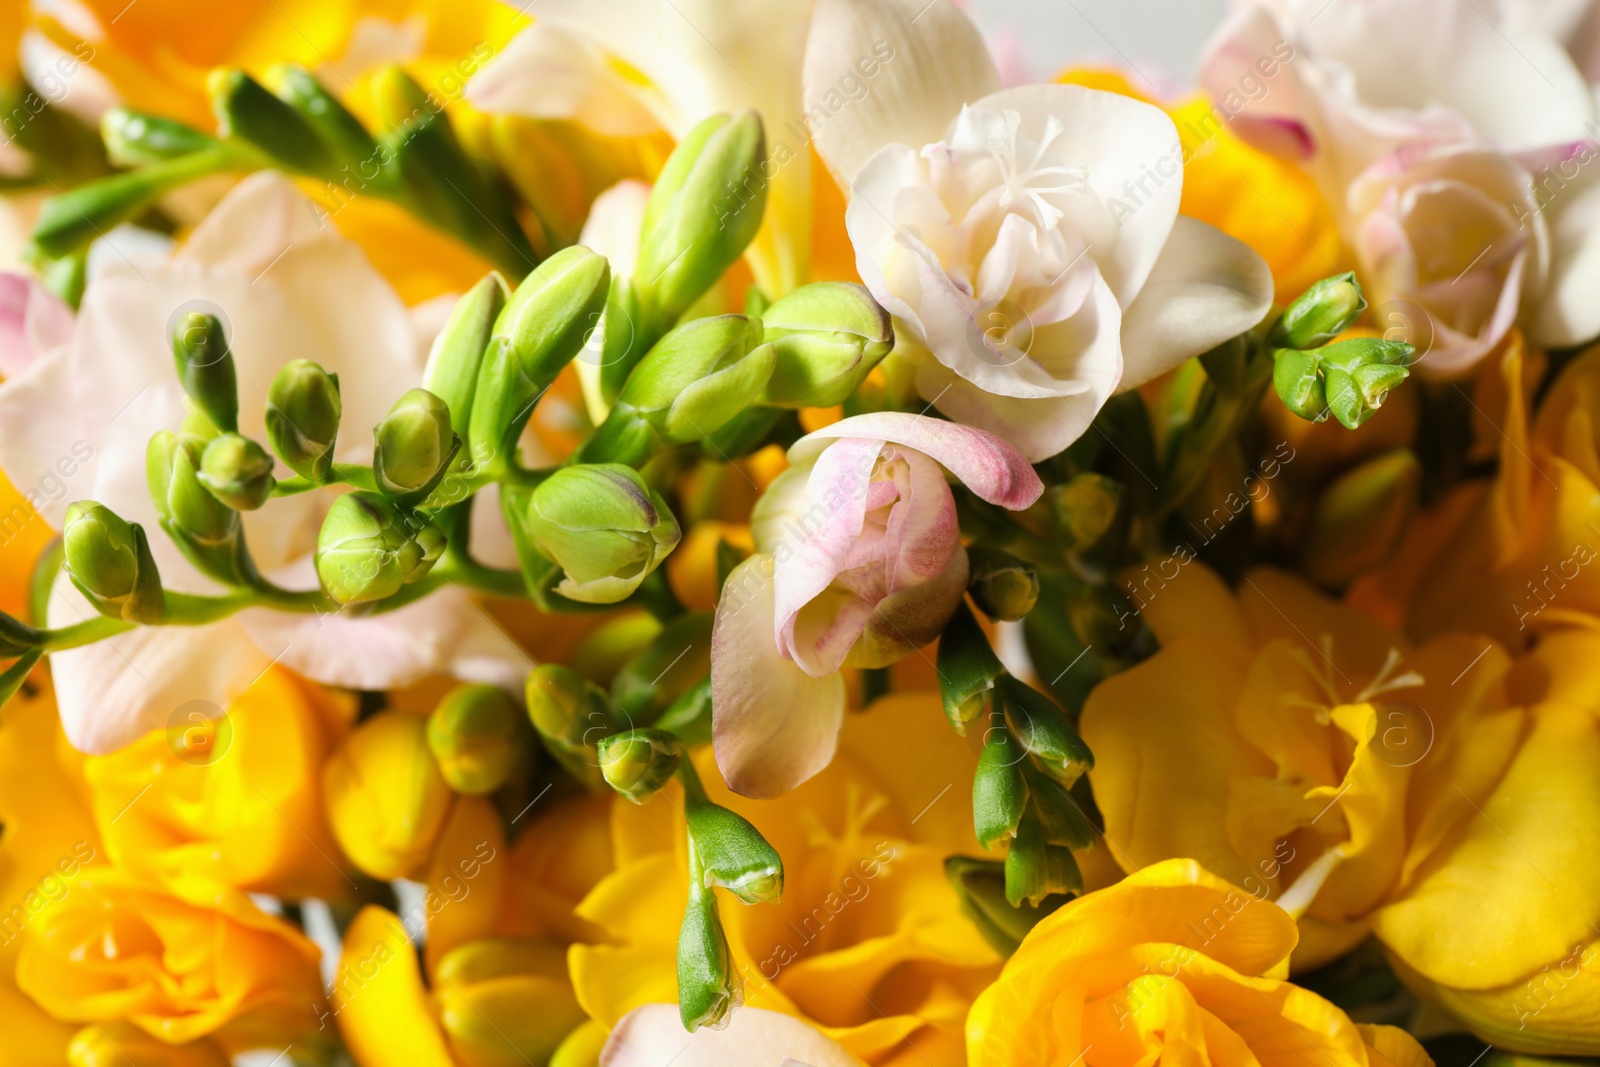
(1029, 238)
(103, 386)
(630, 67)
(653, 1036)
(1380, 88)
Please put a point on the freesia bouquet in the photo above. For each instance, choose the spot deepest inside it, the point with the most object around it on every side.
(637, 532)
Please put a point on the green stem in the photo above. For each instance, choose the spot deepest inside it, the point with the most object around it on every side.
(352, 474)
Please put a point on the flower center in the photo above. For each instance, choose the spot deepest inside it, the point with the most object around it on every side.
(1030, 183)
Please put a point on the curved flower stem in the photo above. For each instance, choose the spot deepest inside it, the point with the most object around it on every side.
(357, 475)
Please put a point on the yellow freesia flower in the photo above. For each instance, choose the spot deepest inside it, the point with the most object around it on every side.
(1170, 964)
(193, 960)
(48, 841)
(387, 800)
(1526, 558)
(237, 800)
(1309, 755)
(868, 943)
(1268, 204)
(23, 537)
(492, 989)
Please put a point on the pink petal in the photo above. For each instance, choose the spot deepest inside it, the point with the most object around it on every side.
(987, 465)
(773, 725)
(32, 321)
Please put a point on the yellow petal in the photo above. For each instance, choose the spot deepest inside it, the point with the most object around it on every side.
(466, 878)
(385, 1014)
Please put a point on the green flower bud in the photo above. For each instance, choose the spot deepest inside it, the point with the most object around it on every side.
(1100, 616)
(505, 1001)
(732, 852)
(708, 984)
(689, 717)
(68, 223)
(16, 636)
(678, 657)
(999, 792)
(369, 547)
(1044, 731)
(303, 411)
(237, 471)
(205, 529)
(637, 763)
(1088, 510)
(826, 338)
(246, 111)
(459, 350)
(1360, 518)
(704, 210)
(109, 561)
(604, 527)
(413, 447)
(348, 141)
(544, 325)
(205, 368)
(1358, 374)
(1321, 313)
(694, 381)
(1296, 377)
(134, 138)
(476, 735)
(1004, 587)
(967, 668)
(1036, 869)
(571, 715)
(981, 886)
(1062, 820)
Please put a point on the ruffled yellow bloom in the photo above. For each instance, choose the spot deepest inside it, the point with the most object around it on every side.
(48, 841)
(1314, 758)
(1526, 558)
(189, 961)
(237, 800)
(23, 537)
(493, 989)
(868, 943)
(1268, 204)
(1170, 964)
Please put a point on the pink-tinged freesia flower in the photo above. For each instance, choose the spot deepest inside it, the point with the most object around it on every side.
(289, 286)
(1456, 232)
(653, 1036)
(1027, 240)
(858, 563)
(32, 322)
(1375, 89)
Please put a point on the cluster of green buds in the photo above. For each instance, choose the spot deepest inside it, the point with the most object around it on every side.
(1032, 758)
(1317, 376)
(292, 123)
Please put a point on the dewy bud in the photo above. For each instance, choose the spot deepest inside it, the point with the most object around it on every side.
(571, 714)
(981, 885)
(1044, 731)
(369, 547)
(109, 561)
(205, 368)
(1358, 374)
(637, 763)
(206, 530)
(694, 381)
(386, 799)
(413, 447)
(604, 527)
(542, 327)
(967, 668)
(1004, 587)
(476, 735)
(704, 210)
(458, 352)
(999, 792)
(1036, 869)
(1296, 377)
(708, 984)
(1360, 518)
(826, 338)
(237, 471)
(134, 138)
(1320, 314)
(303, 411)
(246, 111)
